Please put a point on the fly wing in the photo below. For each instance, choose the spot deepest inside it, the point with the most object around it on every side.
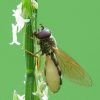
(72, 70)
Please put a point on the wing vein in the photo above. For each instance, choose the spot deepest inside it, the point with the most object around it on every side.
(71, 70)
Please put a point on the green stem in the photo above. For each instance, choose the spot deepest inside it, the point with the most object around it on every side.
(30, 64)
(30, 60)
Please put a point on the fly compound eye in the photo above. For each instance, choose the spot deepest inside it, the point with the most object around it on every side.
(44, 33)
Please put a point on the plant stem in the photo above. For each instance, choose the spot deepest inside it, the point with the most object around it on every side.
(29, 45)
(30, 64)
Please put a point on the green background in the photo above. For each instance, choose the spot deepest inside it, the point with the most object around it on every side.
(76, 26)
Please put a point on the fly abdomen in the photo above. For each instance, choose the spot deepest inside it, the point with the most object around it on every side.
(52, 76)
(54, 59)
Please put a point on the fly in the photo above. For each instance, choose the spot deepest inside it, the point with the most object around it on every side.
(58, 63)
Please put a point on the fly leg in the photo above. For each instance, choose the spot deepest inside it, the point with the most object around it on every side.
(34, 54)
(38, 58)
(39, 64)
(30, 37)
(33, 39)
(38, 67)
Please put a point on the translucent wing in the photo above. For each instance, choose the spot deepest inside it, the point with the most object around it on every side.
(72, 70)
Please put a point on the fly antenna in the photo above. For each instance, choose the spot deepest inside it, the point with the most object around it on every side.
(42, 26)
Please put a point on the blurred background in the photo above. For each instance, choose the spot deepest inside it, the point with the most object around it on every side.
(76, 26)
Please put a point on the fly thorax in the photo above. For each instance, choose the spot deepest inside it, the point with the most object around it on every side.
(53, 41)
(46, 44)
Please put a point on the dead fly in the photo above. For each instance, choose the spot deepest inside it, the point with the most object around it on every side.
(58, 63)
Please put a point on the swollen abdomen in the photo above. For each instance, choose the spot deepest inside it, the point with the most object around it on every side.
(52, 75)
